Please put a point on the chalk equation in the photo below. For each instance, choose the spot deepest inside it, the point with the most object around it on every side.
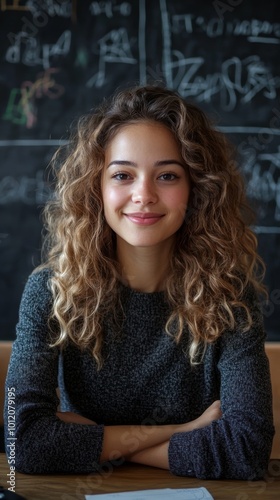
(238, 80)
(21, 108)
(29, 51)
(63, 8)
(114, 47)
(263, 182)
(252, 29)
(32, 190)
(110, 8)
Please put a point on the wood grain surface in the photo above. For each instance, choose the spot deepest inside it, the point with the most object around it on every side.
(129, 477)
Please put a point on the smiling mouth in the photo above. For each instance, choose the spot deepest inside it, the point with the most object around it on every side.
(144, 219)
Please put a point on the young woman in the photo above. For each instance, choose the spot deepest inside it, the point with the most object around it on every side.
(145, 313)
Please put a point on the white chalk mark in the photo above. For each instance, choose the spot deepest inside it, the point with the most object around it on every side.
(166, 35)
(27, 190)
(262, 39)
(142, 42)
(249, 130)
(266, 229)
(32, 142)
(29, 51)
(57, 142)
(237, 79)
(272, 157)
(262, 180)
(114, 47)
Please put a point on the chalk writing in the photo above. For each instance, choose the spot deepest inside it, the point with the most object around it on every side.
(114, 47)
(262, 138)
(237, 78)
(244, 78)
(253, 27)
(21, 107)
(263, 181)
(142, 43)
(28, 50)
(108, 8)
(27, 190)
(215, 27)
(40, 18)
(14, 110)
(14, 5)
(62, 8)
(266, 229)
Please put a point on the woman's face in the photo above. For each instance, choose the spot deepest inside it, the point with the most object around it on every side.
(145, 185)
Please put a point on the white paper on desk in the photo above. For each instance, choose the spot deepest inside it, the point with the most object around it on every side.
(163, 494)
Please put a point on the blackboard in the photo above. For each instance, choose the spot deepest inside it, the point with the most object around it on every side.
(60, 58)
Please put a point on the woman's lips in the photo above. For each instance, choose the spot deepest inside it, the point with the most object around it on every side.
(144, 219)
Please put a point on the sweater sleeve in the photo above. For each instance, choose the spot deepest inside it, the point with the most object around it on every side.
(43, 443)
(238, 445)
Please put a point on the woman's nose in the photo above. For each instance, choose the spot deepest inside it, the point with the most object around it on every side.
(144, 192)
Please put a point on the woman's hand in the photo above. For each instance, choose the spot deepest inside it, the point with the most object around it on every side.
(213, 412)
(157, 456)
(74, 418)
(143, 444)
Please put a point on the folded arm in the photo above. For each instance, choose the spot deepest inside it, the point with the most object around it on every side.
(143, 444)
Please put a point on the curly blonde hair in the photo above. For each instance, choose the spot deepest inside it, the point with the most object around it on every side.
(215, 255)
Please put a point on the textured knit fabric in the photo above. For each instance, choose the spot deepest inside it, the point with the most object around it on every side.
(146, 379)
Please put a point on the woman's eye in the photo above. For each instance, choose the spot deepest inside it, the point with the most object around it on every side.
(168, 176)
(121, 176)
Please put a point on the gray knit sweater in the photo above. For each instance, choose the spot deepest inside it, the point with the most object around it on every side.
(146, 379)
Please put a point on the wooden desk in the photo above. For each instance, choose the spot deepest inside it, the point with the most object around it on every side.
(137, 477)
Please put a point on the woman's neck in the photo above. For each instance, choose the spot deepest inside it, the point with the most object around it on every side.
(144, 268)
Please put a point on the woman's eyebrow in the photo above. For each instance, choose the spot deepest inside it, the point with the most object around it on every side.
(171, 161)
(123, 163)
(160, 163)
